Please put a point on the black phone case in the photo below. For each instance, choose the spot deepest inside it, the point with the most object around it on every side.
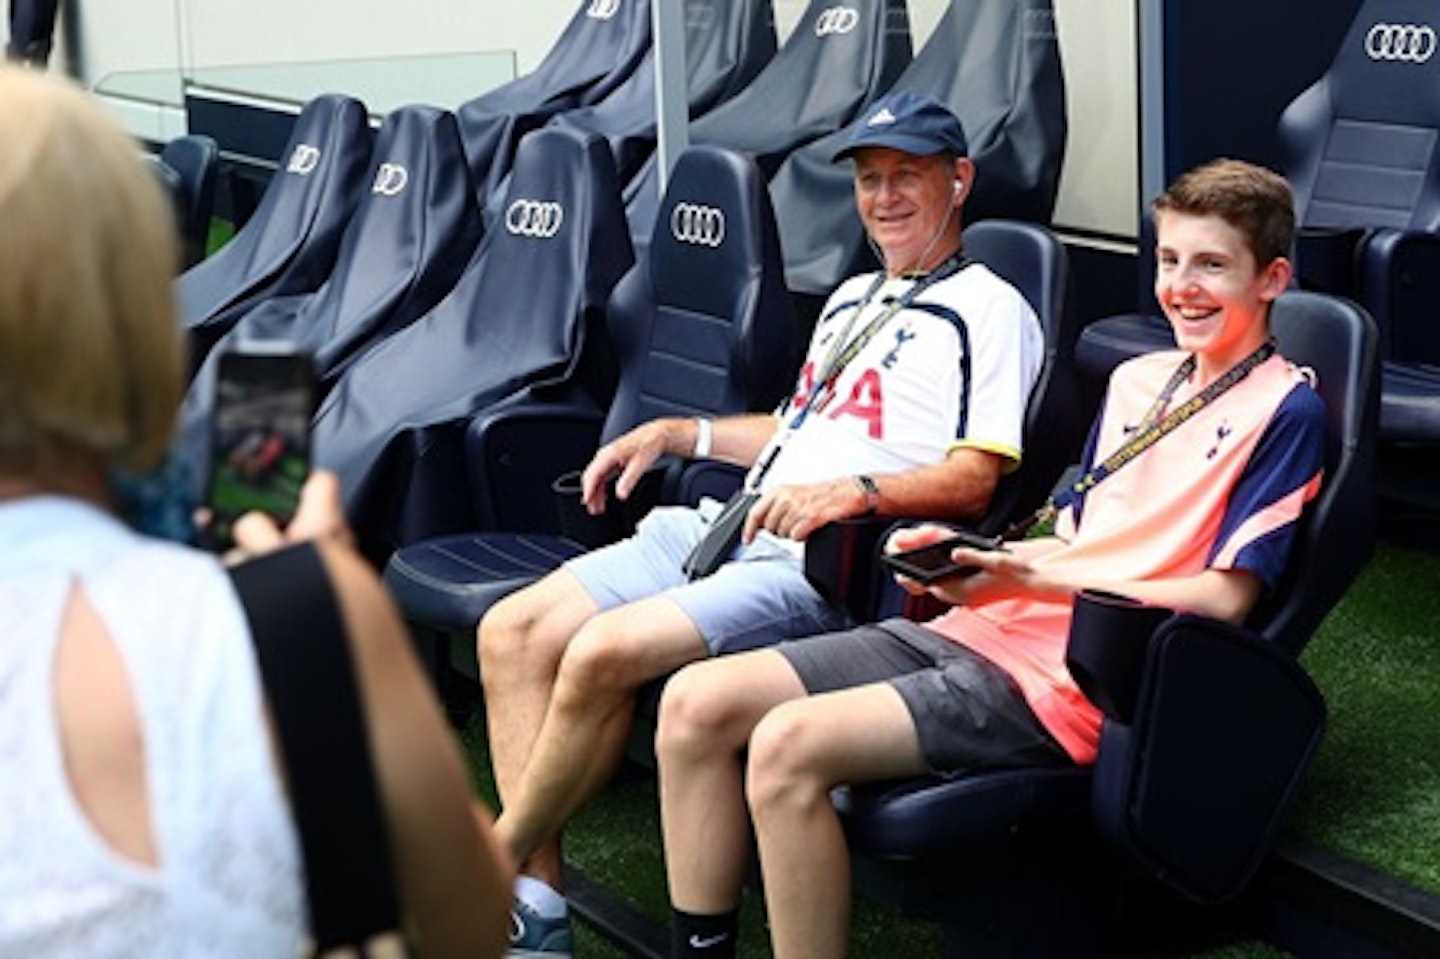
(928, 564)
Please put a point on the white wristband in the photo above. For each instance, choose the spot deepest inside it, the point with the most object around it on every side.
(702, 438)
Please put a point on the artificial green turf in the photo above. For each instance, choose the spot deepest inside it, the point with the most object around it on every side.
(1373, 794)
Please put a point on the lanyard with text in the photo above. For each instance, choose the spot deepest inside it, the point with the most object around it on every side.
(846, 348)
(1147, 434)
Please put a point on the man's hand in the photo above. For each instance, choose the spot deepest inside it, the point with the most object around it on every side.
(630, 456)
(795, 512)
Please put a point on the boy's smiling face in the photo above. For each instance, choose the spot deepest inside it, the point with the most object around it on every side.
(1212, 291)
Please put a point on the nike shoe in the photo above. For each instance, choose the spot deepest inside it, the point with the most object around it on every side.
(533, 936)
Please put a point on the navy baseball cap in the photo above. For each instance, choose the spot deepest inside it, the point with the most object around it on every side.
(911, 122)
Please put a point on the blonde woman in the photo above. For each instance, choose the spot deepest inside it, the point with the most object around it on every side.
(145, 812)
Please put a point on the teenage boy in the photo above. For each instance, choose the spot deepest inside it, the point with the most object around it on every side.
(911, 399)
(1200, 519)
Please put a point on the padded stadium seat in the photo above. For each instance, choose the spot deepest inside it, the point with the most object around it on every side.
(997, 65)
(289, 244)
(842, 559)
(705, 329)
(1359, 147)
(599, 49)
(405, 246)
(1187, 795)
(839, 57)
(195, 159)
(727, 42)
(524, 313)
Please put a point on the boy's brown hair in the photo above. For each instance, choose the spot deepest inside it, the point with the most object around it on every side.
(1256, 201)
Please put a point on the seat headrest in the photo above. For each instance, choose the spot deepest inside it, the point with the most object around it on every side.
(706, 230)
(1388, 66)
(561, 223)
(1361, 140)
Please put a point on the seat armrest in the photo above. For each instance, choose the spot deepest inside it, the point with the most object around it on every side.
(1325, 259)
(1398, 281)
(1194, 791)
(687, 481)
(516, 449)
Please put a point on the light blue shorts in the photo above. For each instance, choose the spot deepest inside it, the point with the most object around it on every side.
(757, 598)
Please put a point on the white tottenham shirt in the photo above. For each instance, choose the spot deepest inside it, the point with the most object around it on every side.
(229, 877)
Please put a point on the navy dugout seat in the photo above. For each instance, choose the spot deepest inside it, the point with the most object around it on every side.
(1186, 795)
(1359, 147)
(838, 58)
(289, 244)
(599, 50)
(997, 65)
(704, 328)
(195, 160)
(526, 311)
(727, 43)
(405, 246)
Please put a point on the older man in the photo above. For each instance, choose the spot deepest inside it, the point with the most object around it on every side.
(910, 401)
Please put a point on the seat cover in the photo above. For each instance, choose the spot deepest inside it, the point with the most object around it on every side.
(997, 65)
(838, 58)
(405, 246)
(290, 243)
(519, 315)
(599, 50)
(727, 42)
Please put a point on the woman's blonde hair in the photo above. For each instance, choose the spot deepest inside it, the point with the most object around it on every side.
(90, 348)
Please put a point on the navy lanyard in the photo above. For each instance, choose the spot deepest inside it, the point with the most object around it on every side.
(1149, 432)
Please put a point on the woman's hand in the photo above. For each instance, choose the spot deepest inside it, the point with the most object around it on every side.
(320, 515)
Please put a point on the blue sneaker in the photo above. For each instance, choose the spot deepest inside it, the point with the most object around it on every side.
(533, 936)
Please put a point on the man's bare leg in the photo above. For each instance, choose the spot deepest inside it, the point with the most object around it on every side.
(582, 739)
(520, 643)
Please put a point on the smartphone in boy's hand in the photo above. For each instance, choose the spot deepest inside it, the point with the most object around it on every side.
(931, 563)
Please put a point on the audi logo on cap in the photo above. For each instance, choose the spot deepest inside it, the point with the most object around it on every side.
(390, 179)
(697, 224)
(1403, 42)
(836, 20)
(534, 218)
(303, 159)
(602, 9)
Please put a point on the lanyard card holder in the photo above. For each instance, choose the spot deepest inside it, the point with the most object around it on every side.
(722, 537)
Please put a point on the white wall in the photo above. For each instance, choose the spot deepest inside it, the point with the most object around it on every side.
(1099, 185)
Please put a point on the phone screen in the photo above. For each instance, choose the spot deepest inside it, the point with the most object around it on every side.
(926, 564)
(260, 434)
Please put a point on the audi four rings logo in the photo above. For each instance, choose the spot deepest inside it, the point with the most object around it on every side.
(303, 159)
(701, 225)
(836, 20)
(534, 218)
(390, 179)
(1405, 42)
(603, 9)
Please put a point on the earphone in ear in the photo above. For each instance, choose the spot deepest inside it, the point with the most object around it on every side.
(959, 188)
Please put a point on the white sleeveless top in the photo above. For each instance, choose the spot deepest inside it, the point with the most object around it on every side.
(229, 882)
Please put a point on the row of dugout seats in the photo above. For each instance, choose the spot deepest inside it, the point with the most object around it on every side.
(467, 363)
(363, 235)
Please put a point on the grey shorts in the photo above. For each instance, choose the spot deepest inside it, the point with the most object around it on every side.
(968, 712)
(757, 598)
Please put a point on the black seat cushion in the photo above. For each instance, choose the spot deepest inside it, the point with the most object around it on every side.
(448, 582)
